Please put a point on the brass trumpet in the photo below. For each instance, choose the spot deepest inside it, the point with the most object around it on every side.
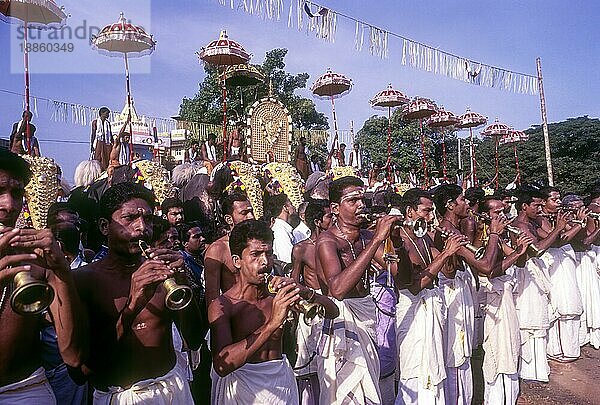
(31, 296)
(310, 309)
(178, 296)
(419, 226)
(478, 252)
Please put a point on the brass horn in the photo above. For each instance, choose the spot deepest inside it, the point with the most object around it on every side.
(311, 310)
(31, 296)
(419, 226)
(178, 295)
(478, 252)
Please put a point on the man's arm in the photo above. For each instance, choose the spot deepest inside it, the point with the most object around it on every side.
(93, 136)
(297, 263)
(204, 152)
(212, 273)
(550, 236)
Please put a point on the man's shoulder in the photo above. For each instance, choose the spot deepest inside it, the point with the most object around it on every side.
(216, 248)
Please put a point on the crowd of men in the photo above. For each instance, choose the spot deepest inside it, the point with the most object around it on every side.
(342, 300)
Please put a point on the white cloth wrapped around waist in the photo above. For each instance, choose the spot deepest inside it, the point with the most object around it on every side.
(307, 337)
(458, 296)
(34, 389)
(171, 388)
(270, 382)
(560, 266)
(420, 321)
(350, 361)
(589, 287)
(531, 295)
(502, 339)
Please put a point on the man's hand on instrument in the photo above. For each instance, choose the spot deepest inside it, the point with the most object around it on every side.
(44, 245)
(523, 242)
(144, 282)
(498, 224)
(455, 242)
(384, 226)
(169, 257)
(283, 300)
(562, 219)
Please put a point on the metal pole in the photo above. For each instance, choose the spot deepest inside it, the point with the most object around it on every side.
(26, 63)
(224, 116)
(424, 156)
(129, 108)
(538, 63)
(389, 143)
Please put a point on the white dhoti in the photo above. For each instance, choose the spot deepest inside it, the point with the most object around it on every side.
(34, 389)
(270, 383)
(532, 302)
(565, 299)
(588, 282)
(501, 341)
(459, 336)
(347, 354)
(420, 321)
(172, 388)
(305, 369)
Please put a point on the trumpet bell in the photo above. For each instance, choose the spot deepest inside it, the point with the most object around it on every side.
(310, 310)
(31, 296)
(420, 228)
(178, 296)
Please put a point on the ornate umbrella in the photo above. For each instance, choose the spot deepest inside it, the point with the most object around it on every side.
(420, 108)
(124, 39)
(331, 86)
(443, 119)
(224, 52)
(496, 130)
(243, 75)
(389, 98)
(472, 120)
(514, 137)
(39, 14)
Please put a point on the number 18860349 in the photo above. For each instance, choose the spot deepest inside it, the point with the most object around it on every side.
(48, 47)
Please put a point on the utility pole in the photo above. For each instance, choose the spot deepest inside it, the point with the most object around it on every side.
(538, 62)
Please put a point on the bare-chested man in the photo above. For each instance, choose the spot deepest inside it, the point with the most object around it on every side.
(458, 286)
(304, 271)
(131, 357)
(219, 271)
(22, 378)
(247, 324)
(349, 365)
(420, 311)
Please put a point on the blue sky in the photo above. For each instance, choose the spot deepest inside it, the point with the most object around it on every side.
(507, 34)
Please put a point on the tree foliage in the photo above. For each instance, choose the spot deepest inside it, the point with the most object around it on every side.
(207, 104)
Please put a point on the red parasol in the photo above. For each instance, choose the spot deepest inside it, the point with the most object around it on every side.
(331, 86)
(472, 120)
(496, 130)
(39, 14)
(130, 41)
(389, 98)
(442, 120)
(420, 108)
(224, 52)
(514, 137)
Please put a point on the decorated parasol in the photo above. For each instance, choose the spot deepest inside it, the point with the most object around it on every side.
(442, 120)
(243, 75)
(129, 41)
(472, 120)
(418, 109)
(331, 86)
(224, 52)
(496, 130)
(38, 14)
(514, 137)
(389, 98)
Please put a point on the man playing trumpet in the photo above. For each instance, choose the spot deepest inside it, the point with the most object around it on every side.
(247, 324)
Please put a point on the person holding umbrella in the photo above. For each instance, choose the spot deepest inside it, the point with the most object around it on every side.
(19, 138)
(101, 139)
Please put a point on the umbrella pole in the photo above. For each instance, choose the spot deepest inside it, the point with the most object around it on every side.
(129, 107)
(335, 128)
(496, 142)
(424, 157)
(26, 64)
(517, 164)
(444, 170)
(224, 118)
(389, 143)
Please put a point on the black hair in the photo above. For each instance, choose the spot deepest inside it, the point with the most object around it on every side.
(15, 166)
(412, 198)
(169, 203)
(159, 227)
(274, 205)
(545, 191)
(525, 195)
(475, 195)
(120, 193)
(246, 231)
(194, 143)
(314, 212)
(69, 236)
(337, 187)
(393, 200)
(56, 208)
(212, 136)
(484, 205)
(27, 113)
(444, 194)
(184, 229)
(228, 201)
(104, 110)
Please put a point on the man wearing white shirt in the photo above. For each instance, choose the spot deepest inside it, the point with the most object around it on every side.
(280, 210)
(302, 231)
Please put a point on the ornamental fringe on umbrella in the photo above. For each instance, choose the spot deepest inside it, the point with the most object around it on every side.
(38, 14)
(472, 120)
(418, 109)
(443, 119)
(514, 137)
(224, 52)
(496, 130)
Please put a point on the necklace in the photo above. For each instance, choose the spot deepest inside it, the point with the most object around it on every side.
(414, 243)
(365, 278)
(4, 292)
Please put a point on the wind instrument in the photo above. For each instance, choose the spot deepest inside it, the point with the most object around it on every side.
(311, 310)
